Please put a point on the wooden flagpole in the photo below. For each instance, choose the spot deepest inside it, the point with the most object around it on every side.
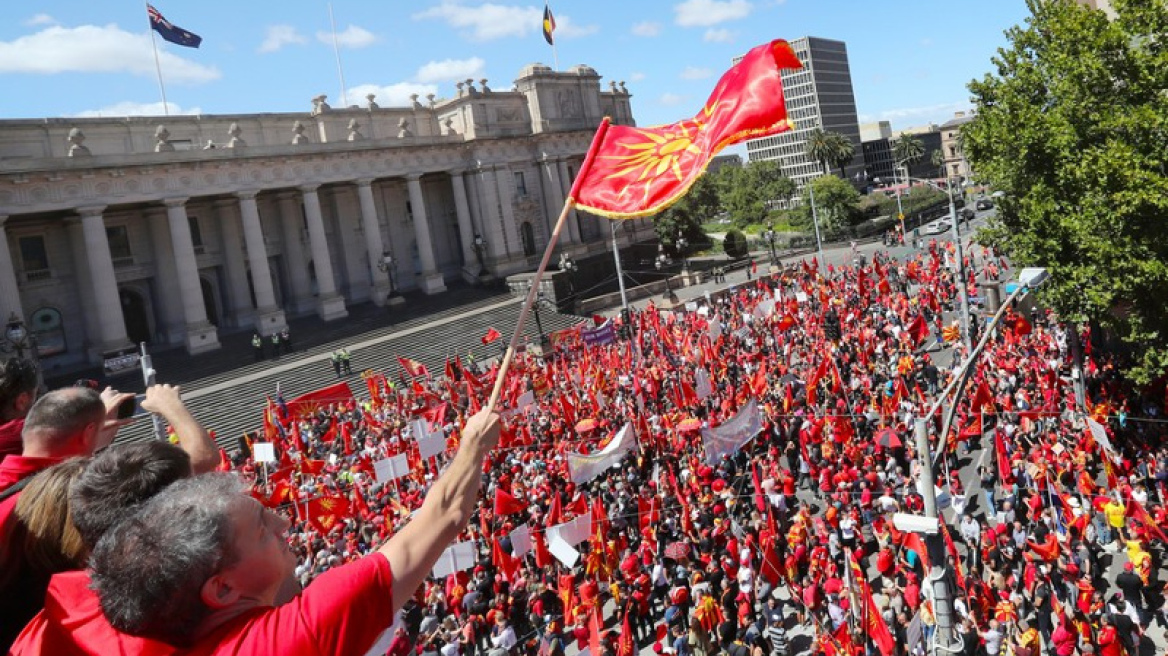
(533, 291)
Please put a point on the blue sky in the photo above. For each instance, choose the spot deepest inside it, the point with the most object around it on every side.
(910, 59)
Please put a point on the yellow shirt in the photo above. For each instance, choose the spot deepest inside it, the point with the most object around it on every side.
(1114, 512)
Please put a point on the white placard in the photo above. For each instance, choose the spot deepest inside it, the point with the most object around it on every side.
(525, 401)
(801, 297)
(702, 385)
(431, 445)
(521, 541)
(715, 329)
(583, 468)
(573, 532)
(563, 551)
(419, 429)
(704, 311)
(391, 469)
(457, 557)
(691, 306)
(1100, 435)
(263, 452)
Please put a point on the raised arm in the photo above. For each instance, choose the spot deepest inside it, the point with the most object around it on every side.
(445, 512)
(166, 400)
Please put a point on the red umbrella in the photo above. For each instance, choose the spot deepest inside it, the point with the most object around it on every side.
(690, 424)
(888, 439)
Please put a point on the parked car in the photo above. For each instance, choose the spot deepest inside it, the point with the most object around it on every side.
(938, 228)
(985, 204)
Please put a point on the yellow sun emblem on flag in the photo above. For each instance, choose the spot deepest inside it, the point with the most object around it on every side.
(659, 151)
(328, 504)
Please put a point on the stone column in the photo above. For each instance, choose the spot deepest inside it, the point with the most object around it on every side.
(508, 224)
(470, 261)
(168, 312)
(9, 291)
(490, 219)
(199, 336)
(573, 220)
(383, 292)
(295, 259)
(269, 317)
(431, 282)
(554, 200)
(238, 306)
(111, 325)
(329, 304)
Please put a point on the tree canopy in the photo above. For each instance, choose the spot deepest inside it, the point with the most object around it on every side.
(747, 192)
(1073, 128)
(908, 150)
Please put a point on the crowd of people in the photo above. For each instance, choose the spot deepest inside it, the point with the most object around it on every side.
(783, 544)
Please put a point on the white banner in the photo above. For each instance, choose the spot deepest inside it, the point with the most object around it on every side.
(702, 384)
(584, 468)
(525, 401)
(715, 329)
(573, 532)
(457, 557)
(391, 469)
(1099, 432)
(564, 552)
(764, 309)
(732, 435)
(432, 445)
(521, 541)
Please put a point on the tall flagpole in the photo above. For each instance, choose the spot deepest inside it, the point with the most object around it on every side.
(337, 52)
(157, 66)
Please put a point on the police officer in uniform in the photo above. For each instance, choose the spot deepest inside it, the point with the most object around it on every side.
(345, 365)
(337, 363)
(276, 346)
(257, 346)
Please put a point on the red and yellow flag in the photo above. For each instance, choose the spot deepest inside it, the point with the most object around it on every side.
(631, 172)
(326, 512)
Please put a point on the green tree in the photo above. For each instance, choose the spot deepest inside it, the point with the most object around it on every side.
(1073, 128)
(830, 149)
(908, 150)
(938, 162)
(843, 152)
(747, 192)
(735, 243)
(836, 202)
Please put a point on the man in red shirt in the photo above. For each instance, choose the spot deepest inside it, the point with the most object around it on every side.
(201, 564)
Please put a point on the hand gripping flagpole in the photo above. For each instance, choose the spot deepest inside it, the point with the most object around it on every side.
(533, 291)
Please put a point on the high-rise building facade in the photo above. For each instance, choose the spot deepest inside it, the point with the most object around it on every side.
(818, 96)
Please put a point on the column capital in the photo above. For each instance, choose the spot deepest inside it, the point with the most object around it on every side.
(176, 202)
(247, 194)
(91, 210)
(308, 188)
(413, 177)
(364, 182)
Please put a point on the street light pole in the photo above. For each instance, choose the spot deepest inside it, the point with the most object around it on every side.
(899, 207)
(815, 221)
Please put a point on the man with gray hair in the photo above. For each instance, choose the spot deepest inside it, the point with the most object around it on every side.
(201, 564)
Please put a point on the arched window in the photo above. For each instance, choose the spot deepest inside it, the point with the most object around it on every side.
(49, 331)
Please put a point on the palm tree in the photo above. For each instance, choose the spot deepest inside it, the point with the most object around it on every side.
(843, 152)
(821, 147)
(938, 161)
(908, 150)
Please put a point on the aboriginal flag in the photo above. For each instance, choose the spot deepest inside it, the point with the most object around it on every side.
(549, 25)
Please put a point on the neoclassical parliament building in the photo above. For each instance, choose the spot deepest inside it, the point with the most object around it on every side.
(170, 230)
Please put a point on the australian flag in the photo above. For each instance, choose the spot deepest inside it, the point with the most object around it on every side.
(170, 31)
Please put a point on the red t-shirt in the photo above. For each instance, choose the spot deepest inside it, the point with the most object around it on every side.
(11, 443)
(342, 612)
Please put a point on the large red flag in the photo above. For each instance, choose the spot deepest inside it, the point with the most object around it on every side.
(326, 512)
(631, 172)
(307, 404)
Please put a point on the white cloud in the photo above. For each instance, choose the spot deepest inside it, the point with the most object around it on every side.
(450, 69)
(392, 95)
(704, 13)
(695, 73)
(636, 76)
(94, 49)
(566, 28)
(279, 36)
(720, 35)
(488, 21)
(40, 19)
(908, 116)
(351, 37)
(131, 108)
(670, 99)
(647, 28)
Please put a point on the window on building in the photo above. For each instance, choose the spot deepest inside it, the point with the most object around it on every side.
(34, 258)
(196, 234)
(119, 244)
(520, 184)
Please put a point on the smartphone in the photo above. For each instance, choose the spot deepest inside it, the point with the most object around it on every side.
(131, 407)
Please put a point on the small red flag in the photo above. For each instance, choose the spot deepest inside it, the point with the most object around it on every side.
(505, 504)
(326, 512)
(413, 368)
(491, 336)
